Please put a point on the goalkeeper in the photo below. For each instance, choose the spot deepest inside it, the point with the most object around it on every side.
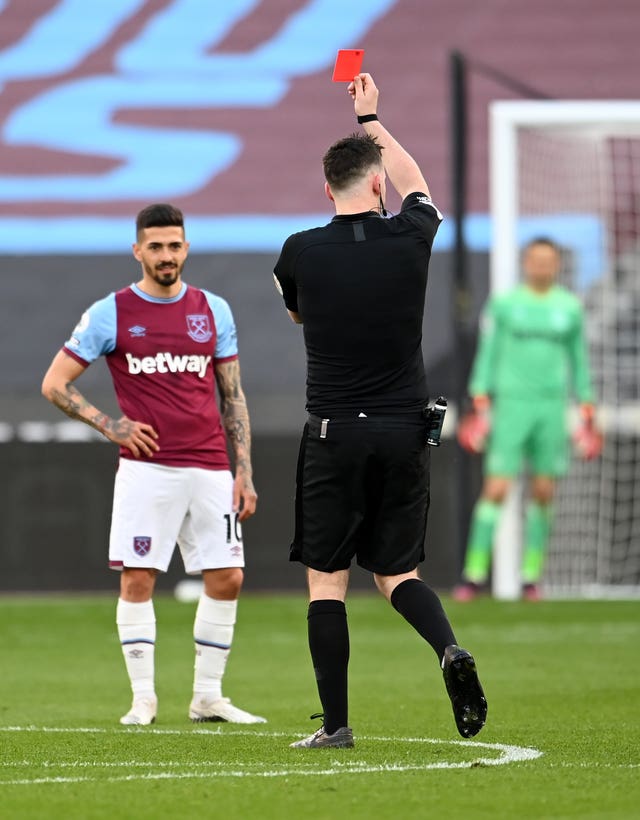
(532, 352)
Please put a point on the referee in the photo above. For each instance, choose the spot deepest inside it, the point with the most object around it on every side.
(357, 285)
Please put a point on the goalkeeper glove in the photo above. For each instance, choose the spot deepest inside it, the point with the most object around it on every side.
(474, 428)
(587, 439)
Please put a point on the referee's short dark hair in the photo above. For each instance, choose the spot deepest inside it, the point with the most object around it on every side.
(159, 215)
(349, 158)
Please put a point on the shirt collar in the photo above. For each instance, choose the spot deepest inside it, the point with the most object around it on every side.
(356, 217)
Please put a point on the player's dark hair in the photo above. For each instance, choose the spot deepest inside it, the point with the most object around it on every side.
(349, 158)
(543, 240)
(159, 215)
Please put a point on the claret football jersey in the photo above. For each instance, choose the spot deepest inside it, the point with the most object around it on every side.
(161, 354)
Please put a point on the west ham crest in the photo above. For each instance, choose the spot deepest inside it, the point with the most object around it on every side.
(141, 544)
(199, 327)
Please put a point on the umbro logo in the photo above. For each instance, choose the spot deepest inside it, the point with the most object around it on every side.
(137, 331)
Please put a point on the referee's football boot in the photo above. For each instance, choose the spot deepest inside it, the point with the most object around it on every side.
(205, 710)
(341, 739)
(464, 689)
(143, 712)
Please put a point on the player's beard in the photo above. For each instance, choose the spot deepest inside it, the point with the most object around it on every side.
(166, 275)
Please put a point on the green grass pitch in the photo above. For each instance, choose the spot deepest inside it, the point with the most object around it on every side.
(562, 740)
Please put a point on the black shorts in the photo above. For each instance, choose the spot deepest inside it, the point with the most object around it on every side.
(362, 491)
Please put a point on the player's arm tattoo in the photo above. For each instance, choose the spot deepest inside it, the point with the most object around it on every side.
(235, 415)
(73, 403)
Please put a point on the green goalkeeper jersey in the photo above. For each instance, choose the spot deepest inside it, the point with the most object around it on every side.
(532, 346)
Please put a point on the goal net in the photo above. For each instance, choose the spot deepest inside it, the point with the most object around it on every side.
(571, 171)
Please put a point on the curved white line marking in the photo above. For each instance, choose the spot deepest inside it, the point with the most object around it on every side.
(179, 771)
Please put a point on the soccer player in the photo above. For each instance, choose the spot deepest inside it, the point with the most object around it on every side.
(531, 353)
(165, 342)
(357, 285)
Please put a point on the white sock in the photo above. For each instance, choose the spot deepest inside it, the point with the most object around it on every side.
(137, 632)
(213, 634)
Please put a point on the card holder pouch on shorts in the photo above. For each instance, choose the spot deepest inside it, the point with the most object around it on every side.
(317, 427)
(434, 415)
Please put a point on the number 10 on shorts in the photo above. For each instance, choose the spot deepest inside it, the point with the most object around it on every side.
(232, 520)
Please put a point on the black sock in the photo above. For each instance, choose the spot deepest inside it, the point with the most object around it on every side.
(329, 645)
(421, 607)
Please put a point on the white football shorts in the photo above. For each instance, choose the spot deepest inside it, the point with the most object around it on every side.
(156, 507)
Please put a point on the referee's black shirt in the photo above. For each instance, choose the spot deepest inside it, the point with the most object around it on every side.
(359, 287)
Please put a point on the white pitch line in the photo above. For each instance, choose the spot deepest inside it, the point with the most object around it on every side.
(142, 730)
(220, 732)
(180, 771)
(594, 765)
(239, 773)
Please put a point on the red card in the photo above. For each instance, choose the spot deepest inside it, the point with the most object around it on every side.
(347, 65)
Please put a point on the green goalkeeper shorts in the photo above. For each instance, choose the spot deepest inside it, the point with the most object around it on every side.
(531, 432)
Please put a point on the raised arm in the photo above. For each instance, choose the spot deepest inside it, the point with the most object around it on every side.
(235, 417)
(402, 170)
(58, 388)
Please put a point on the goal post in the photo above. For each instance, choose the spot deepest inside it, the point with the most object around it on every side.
(570, 170)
